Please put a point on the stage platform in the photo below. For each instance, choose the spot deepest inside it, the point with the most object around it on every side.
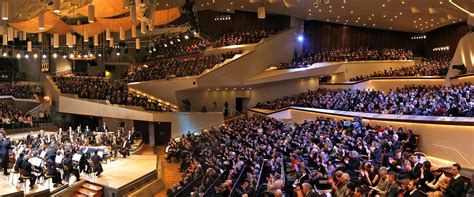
(119, 178)
(125, 175)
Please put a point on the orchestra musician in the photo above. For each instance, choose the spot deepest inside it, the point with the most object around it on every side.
(27, 167)
(69, 168)
(97, 166)
(125, 147)
(4, 153)
(53, 171)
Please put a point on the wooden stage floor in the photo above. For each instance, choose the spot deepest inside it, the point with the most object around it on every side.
(121, 172)
(117, 174)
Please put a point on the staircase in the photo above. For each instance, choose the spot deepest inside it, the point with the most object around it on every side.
(89, 189)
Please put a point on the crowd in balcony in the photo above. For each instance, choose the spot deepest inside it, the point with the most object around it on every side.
(17, 91)
(177, 45)
(267, 157)
(345, 55)
(12, 117)
(427, 68)
(237, 38)
(456, 100)
(175, 67)
(104, 89)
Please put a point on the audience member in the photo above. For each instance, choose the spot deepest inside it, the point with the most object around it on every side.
(455, 100)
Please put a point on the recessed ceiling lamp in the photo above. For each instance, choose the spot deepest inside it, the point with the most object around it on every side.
(57, 6)
(5, 9)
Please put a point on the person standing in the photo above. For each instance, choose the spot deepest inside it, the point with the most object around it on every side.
(4, 148)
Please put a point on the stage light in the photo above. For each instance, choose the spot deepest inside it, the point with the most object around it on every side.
(100, 54)
(186, 37)
(55, 55)
(300, 38)
(118, 53)
(26, 55)
(35, 55)
(4, 54)
(44, 56)
(64, 56)
(18, 55)
(71, 55)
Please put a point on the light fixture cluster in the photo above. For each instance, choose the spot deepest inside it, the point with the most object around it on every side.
(225, 89)
(418, 37)
(445, 48)
(222, 18)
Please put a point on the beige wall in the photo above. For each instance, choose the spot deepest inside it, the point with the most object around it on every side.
(353, 69)
(444, 141)
(165, 89)
(263, 92)
(276, 49)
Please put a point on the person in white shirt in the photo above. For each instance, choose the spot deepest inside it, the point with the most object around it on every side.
(274, 184)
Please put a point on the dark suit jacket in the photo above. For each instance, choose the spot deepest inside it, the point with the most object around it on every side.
(26, 165)
(456, 187)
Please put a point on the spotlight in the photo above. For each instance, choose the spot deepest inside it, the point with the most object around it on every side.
(186, 37)
(26, 55)
(166, 45)
(118, 53)
(100, 54)
(171, 42)
(35, 55)
(64, 56)
(300, 38)
(154, 49)
(55, 55)
(4, 54)
(18, 55)
(44, 56)
(86, 56)
(71, 55)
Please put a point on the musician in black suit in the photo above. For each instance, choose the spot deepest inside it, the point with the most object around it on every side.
(18, 162)
(53, 171)
(456, 185)
(69, 168)
(96, 162)
(26, 165)
(125, 147)
(4, 150)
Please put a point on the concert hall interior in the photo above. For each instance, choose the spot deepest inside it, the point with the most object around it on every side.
(237, 98)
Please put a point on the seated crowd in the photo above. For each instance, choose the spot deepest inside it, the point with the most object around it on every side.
(345, 55)
(455, 100)
(427, 68)
(103, 89)
(17, 91)
(237, 38)
(12, 117)
(174, 67)
(261, 156)
(181, 46)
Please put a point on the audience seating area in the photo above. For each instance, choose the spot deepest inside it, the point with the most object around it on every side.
(269, 157)
(12, 117)
(427, 68)
(345, 54)
(17, 91)
(102, 88)
(174, 67)
(410, 100)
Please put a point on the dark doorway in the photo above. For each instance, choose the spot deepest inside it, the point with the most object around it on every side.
(162, 133)
(142, 128)
(83, 121)
(239, 104)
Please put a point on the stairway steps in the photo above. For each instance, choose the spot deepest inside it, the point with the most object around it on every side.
(92, 187)
(86, 191)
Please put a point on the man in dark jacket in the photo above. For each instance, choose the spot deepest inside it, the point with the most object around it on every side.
(456, 185)
(96, 162)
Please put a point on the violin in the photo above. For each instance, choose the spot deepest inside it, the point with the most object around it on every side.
(11, 159)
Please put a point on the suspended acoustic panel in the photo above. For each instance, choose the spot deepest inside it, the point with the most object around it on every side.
(115, 23)
(52, 24)
(91, 28)
(166, 16)
(104, 8)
